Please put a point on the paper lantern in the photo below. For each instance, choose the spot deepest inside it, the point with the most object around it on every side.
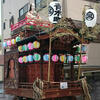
(25, 59)
(90, 17)
(20, 49)
(18, 39)
(77, 59)
(54, 6)
(36, 57)
(55, 58)
(20, 60)
(84, 58)
(63, 58)
(4, 44)
(30, 46)
(46, 57)
(83, 48)
(30, 58)
(69, 58)
(36, 44)
(9, 43)
(24, 47)
(13, 41)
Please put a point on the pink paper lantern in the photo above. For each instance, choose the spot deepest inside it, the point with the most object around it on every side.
(55, 58)
(84, 58)
(20, 60)
(30, 46)
(9, 43)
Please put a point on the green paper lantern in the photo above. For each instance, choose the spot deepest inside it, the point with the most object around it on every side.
(36, 57)
(18, 39)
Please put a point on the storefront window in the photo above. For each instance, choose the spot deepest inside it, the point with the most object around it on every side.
(39, 4)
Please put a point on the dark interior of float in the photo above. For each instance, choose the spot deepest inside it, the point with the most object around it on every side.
(37, 71)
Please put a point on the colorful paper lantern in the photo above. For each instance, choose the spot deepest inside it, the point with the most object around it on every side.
(77, 59)
(13, 41)
(36, 57)
(46, 57)
(84, 58)
(25, 59)
(69, 58)
(55, 58)
(63, 58)
(30, 58)
(20, 49)
(36, 44)
(30, 46)
(20, 60)
(9, 43)
(83, 48)
(24, 47)
(18, 39)
(4, 44)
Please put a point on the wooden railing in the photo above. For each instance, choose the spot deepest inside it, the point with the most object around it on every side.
(47, 85)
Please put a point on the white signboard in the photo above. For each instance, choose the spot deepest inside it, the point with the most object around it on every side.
(54, 11)
(63, 85)
(90, 17)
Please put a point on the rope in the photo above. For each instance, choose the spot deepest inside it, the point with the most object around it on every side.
(37, 89)
(85, 89)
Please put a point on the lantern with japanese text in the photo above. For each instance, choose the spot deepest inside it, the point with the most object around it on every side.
(90, 17)
(54, 11)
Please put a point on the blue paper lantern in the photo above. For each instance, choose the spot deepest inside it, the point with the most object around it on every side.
(69, 58)
(83, 48)
(4, 44)
(46, 57)
(30, 58)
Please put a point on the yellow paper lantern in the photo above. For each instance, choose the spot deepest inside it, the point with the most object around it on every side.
(20, 49)
(13, 41)
(36, 44)
(63, 58)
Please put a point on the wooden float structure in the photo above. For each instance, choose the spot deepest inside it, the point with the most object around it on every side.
(40, 79)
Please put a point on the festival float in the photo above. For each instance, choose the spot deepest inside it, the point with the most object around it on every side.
(35, 56)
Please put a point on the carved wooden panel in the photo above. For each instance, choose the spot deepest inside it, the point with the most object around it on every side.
(11, 70)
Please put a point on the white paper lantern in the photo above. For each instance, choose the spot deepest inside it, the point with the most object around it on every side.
(90, 17)
(54, 11)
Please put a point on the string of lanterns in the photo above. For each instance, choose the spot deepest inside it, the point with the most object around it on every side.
(36, 57)
(29, 46)
(9, 43)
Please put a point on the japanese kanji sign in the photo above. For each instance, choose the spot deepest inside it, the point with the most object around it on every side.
(54, 11)
(90, 17)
